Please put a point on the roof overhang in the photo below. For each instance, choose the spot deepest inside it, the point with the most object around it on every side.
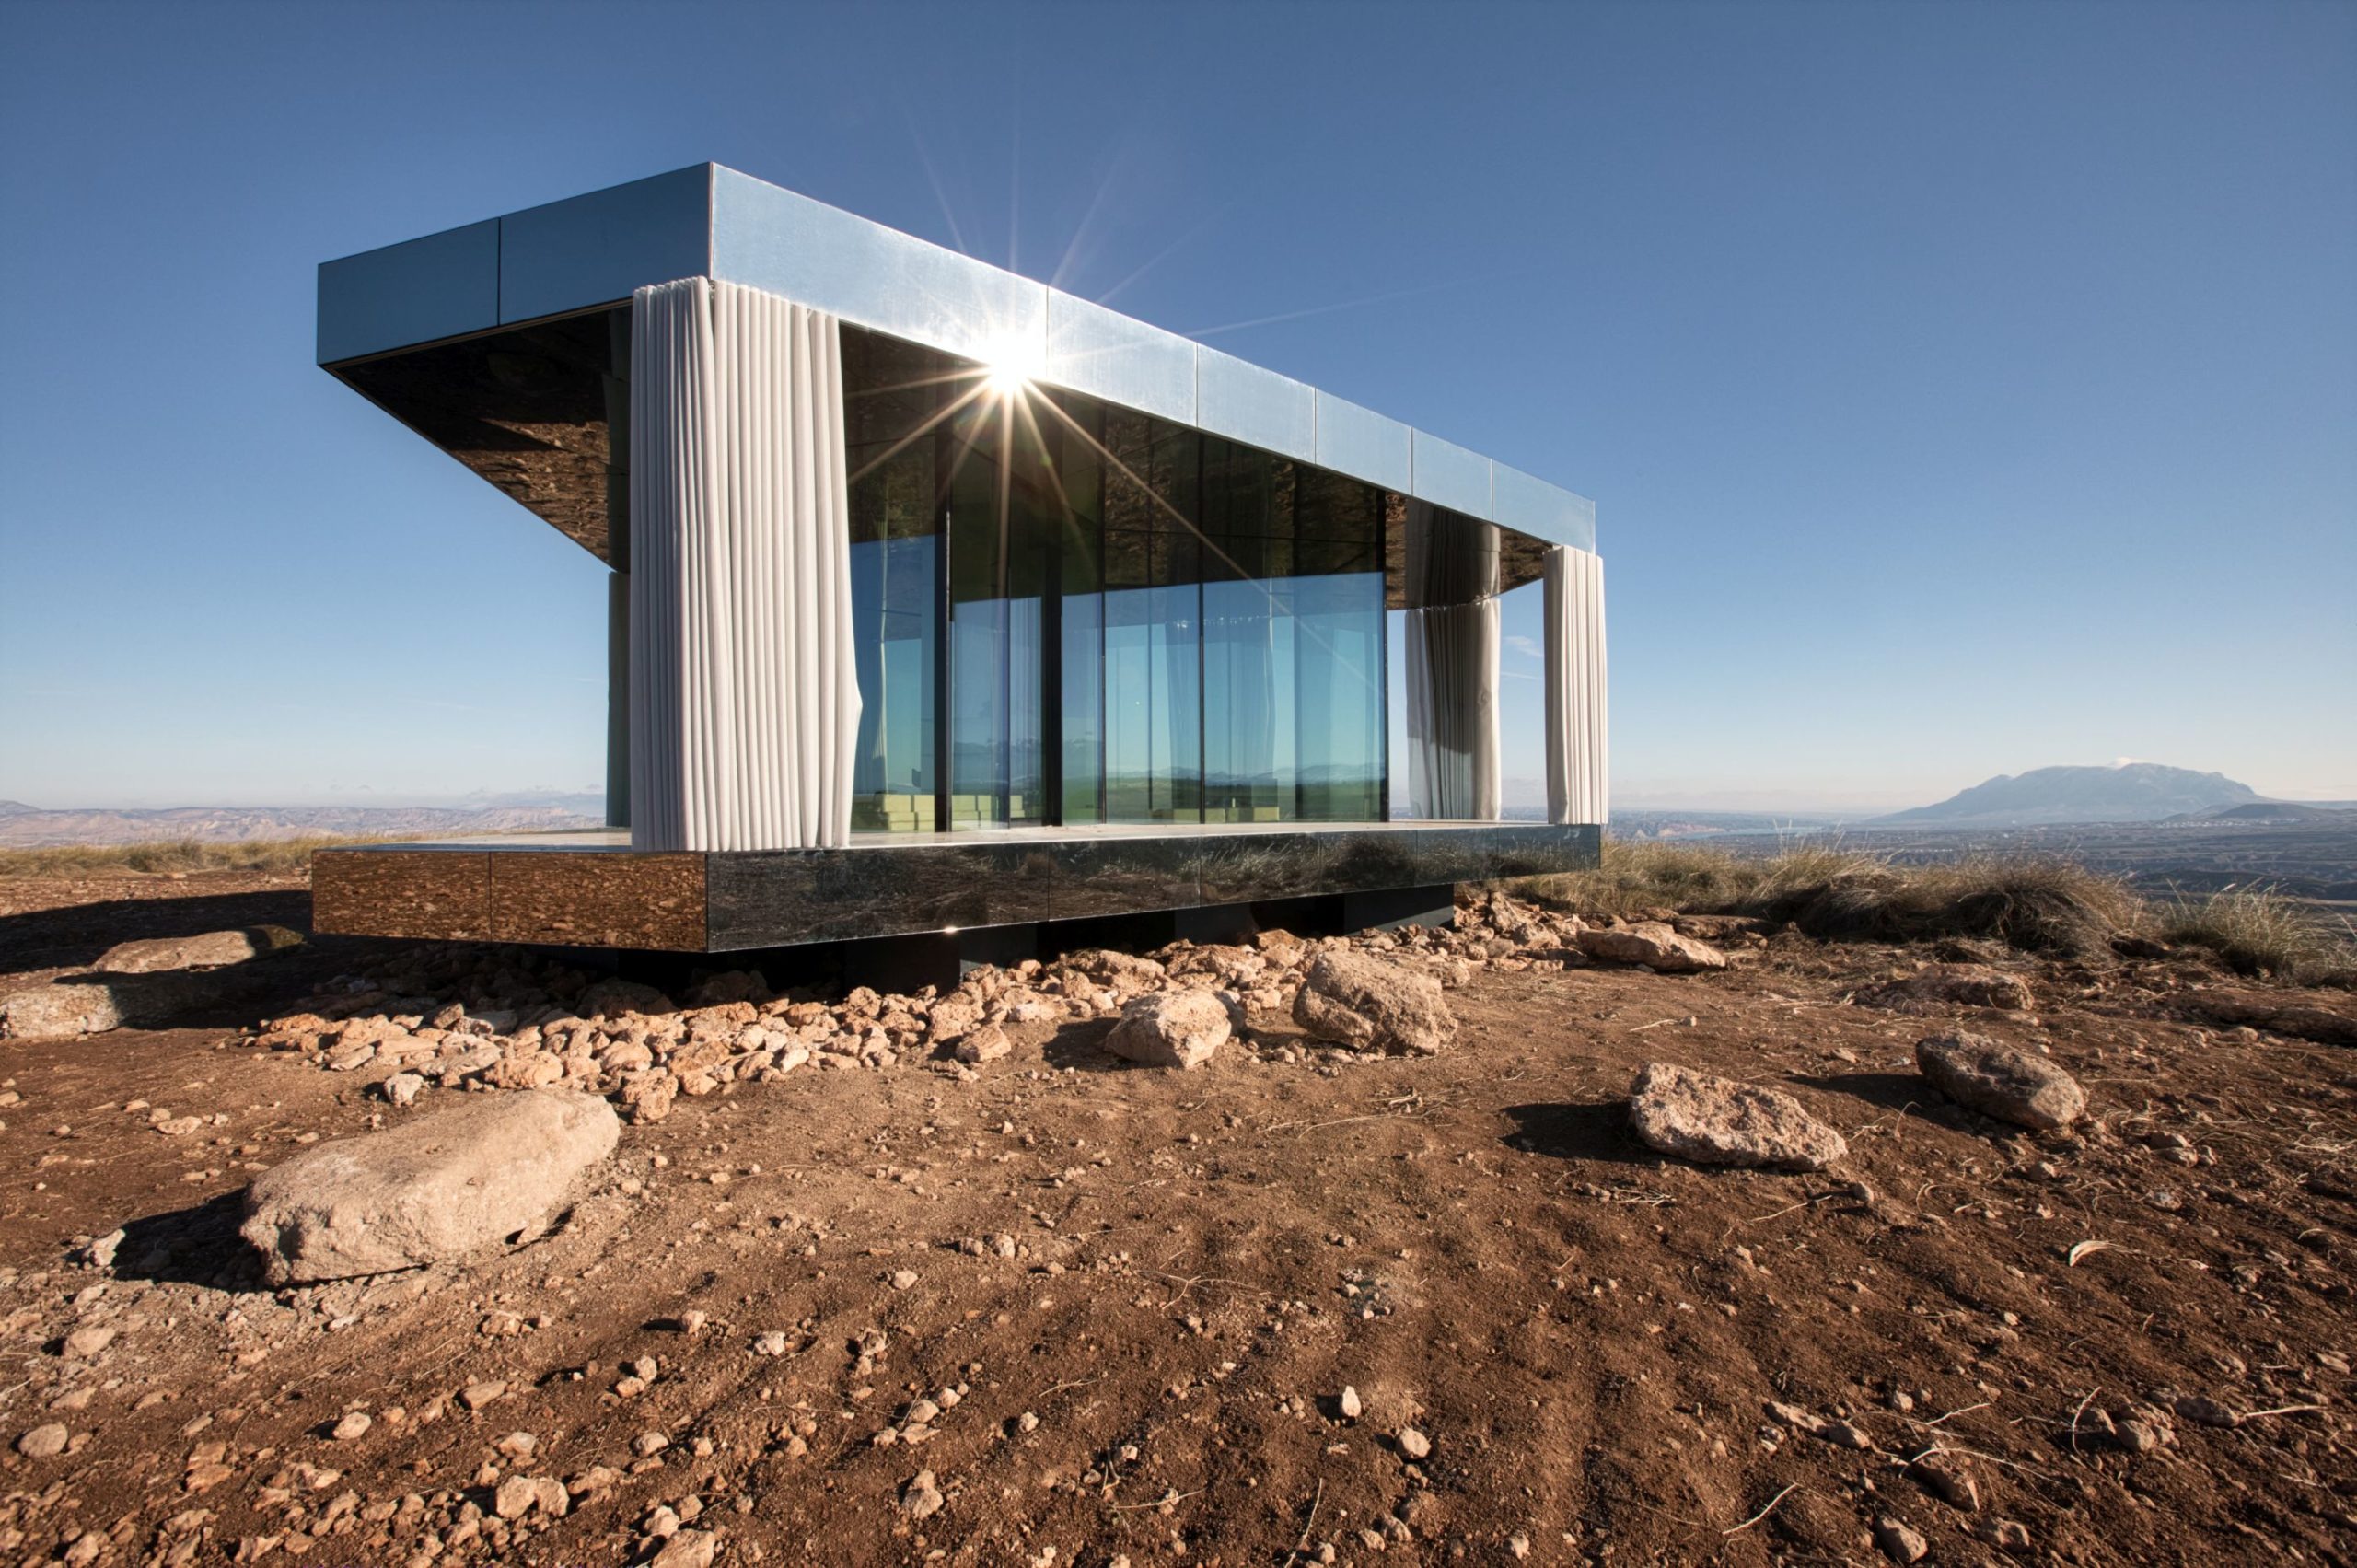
(535, 287)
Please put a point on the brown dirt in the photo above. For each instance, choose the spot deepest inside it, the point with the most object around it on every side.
(1589, 1334)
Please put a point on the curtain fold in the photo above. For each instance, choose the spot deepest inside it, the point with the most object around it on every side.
(1455, 755)
(744, 693)
(1578, 772)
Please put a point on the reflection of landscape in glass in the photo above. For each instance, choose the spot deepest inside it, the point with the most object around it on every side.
(1143, 623)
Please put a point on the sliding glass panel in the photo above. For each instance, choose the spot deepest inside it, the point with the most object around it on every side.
(981, 654)
(1079, 689)
(891, 395)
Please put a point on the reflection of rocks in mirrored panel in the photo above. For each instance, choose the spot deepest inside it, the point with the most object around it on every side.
(442, 895)
(598, 899)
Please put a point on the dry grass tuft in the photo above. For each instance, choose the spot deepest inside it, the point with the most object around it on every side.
(2259, 931)
(1837, 892)
(175, 855)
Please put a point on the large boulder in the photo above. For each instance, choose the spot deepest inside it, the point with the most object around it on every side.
(1171, 1028)
(209, 950)
(1937, 986)
(68, 1008)
(1997, 1080)
(432, 1189)
(1373, 1005)
(1722, 1122)
(1652, 944)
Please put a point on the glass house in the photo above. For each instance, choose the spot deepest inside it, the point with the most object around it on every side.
(945, 603)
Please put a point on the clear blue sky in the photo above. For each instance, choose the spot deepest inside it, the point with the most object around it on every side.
(1963, 388)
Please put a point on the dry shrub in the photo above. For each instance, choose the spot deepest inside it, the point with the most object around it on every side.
(175, 855)
(2259, 931)
(1634, 876)
(1835, 891)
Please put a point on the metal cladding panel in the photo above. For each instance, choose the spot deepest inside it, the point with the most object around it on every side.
(1363, 444)
(597, 249)
(771, 239)
(1238, 400)
(1448, 475)
(1114, 357)
(1542, 510)
(439, 286)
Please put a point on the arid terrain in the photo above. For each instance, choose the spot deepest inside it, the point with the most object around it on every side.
(1054, 1308)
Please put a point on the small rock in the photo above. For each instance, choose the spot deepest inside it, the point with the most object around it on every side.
(1349, 1403)
(1721, 1121)
(987, 1043)
(1170, 1028)
(1949, 1478)
(903, 1279)
(771, 1344)
(2006, 1535)
(1656, 946)
(87, 1342)
(2205, 1412)
(474, 1396)
(43, 1442)
(402, 1089)
(355, 1425)
(1999, 1081)
(921, 1498)
(1900, 1543)
(1414, 1444)
(688, 1549)
(1959, 985)
(1372, 1004)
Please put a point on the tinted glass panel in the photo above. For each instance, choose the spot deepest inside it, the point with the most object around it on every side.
(1091, 614)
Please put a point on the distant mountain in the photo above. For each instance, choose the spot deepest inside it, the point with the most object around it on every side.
(25, 827)
(2132, 792)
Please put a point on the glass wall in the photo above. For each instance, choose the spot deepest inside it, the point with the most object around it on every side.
(1085, 614)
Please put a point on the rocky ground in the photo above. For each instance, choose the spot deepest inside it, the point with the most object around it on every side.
(1412, 1288)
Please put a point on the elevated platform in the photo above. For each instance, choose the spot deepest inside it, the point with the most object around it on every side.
(593, 890)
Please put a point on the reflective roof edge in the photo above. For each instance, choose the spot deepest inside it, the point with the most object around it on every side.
(708, 220)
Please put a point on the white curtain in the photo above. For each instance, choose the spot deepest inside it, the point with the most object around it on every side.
(1454, 755)
(744, 697)
(1577, 774)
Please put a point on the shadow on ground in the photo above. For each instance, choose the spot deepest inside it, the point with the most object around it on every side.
(76, 936)
(1576, 1131)
(194, 1246)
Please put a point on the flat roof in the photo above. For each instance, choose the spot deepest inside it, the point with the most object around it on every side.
(593, 250)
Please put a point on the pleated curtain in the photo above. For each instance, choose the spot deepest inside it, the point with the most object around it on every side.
(1578, 777)
(744, 696)
(1454, 753)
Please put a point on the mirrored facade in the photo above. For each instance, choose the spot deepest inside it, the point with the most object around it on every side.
(1070, 612)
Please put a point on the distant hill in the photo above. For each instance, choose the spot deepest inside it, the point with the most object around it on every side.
(2271, 811)
(26, 826)
(2134, 792)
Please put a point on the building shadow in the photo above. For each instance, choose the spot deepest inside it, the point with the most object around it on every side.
(78, 936)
